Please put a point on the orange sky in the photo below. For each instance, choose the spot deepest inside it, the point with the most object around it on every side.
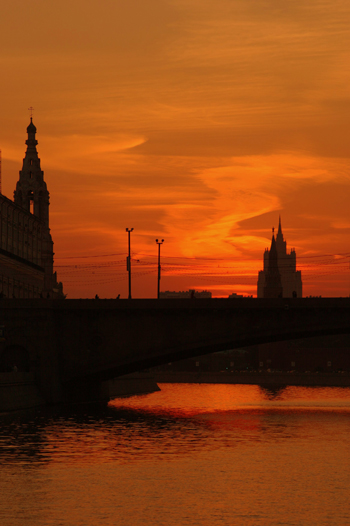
(196, 121)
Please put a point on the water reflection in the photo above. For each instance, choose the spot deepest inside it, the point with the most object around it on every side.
(92, 433)
(189, 455)
(178, 420)
(272, 393)
(21, 438)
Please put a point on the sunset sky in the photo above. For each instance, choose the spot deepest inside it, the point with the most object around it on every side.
(196, 121)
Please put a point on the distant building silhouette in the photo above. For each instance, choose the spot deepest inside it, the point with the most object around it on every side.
(279, 277)
(185, 294)
(235, 295)
(26, 247)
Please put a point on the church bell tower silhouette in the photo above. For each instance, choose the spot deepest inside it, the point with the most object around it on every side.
(31, 191)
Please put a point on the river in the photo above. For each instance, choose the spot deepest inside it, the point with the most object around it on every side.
(190, 454)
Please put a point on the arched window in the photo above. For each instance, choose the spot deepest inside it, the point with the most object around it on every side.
(30, 202)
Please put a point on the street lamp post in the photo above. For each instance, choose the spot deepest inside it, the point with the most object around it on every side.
(128, 260)
(159, 243)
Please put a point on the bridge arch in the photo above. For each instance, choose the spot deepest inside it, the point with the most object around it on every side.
(181, 351)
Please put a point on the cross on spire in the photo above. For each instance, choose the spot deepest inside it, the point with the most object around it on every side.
(31, 112)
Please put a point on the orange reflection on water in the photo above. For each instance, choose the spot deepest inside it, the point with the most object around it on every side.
(187, 455)
(195, 399)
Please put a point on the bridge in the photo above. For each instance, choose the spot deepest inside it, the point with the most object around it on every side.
(75, 345)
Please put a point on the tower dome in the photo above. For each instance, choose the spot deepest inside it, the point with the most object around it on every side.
(31, 128)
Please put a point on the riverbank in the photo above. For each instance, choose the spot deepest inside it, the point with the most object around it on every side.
(257, 378)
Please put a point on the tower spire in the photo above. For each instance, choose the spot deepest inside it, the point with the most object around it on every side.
(281, 244)
(273, 286)
(31, 191)
(279, 276)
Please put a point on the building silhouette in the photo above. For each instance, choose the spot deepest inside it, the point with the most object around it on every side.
(168, 294)
(26, 246)
(279, 277)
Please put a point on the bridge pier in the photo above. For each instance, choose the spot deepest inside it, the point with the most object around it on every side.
(81, 391)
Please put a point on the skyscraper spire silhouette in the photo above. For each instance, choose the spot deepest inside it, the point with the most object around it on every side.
(273, 286)
(276, 259)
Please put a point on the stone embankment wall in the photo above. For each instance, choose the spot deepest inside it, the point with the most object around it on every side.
(18, 390)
